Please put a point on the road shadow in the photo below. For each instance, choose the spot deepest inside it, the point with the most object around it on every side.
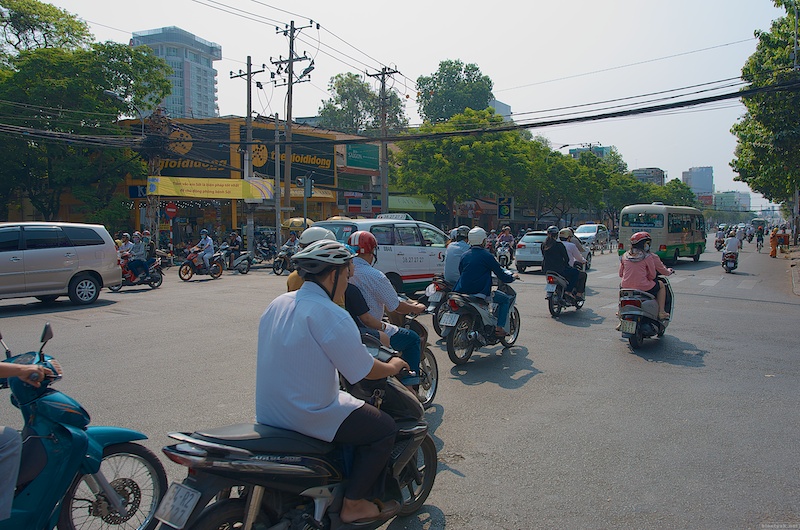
(506, 367)
(684, 265)
(671, 350)
(36, 307)
(426, 518)
(582, 318)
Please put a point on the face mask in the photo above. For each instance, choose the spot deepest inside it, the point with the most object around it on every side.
(647, 247)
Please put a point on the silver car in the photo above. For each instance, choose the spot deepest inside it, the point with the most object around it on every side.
(48, 260)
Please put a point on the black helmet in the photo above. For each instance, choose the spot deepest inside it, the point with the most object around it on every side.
(462, 232)
(552, 231)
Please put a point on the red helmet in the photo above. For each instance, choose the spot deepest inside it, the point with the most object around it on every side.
(640, 236)
(363, 242)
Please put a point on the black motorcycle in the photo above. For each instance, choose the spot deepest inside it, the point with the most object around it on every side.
(253, 475)
(265, 252)
(283, 261)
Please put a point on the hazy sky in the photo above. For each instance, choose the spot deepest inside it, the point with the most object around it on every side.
(540, 55)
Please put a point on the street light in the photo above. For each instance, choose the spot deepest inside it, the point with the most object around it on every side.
(119, 97)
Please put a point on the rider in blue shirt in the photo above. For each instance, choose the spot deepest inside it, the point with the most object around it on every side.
(452, 257)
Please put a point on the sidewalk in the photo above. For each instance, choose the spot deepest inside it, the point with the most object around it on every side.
(794, 268)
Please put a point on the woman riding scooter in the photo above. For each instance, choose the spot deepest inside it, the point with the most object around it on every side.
(639, 269)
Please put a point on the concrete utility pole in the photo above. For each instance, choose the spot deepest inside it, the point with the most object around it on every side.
(384, 159)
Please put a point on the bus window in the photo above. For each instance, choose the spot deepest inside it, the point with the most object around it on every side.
(679, 222)
(643, 220)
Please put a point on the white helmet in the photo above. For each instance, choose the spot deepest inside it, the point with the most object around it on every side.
(314, 233)
(566, 233)
(320, 255)
(476, 236)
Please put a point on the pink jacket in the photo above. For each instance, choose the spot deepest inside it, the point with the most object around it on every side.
(641, 274)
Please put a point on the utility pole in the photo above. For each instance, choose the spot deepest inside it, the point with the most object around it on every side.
(277, 188)
(384, 158)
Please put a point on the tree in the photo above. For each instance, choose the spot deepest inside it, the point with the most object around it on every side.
(30, 24)
(674, 193)
(355, 108)
(454, 88)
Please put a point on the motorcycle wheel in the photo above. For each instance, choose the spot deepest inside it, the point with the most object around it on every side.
(243, 267)
(637, 339)
(554, 302)
(185, 272)
(440, 310)
(503, 261)
(225, 515)
(513, 324)
(136, 474)
(115, 288)
(428, 378)
(521, 269)
(459, 347)
(278, 266)
(215, 271)
(416, 479)
(156, 279)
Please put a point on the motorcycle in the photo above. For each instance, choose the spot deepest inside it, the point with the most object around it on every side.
(730, 261)
(154, 277)
(638, 314)
(719, 243)
(286, 480)
(74, 475)
(436, 295)
(503, 254)
(283, 261)
(749, 238)
(470, 323)
(428, 367)
(194, 264)
(241, 264)
(265, 252)
(557, 296)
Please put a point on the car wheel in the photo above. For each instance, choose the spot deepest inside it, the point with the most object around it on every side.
(84, 289)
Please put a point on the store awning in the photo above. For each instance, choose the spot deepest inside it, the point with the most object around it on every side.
(486, 207)
(408, 203)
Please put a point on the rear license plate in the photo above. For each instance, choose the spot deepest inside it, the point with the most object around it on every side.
(177, 505)
(550, 288)
(627, 326)
(731, 264)
(448, 319)
(435, 297)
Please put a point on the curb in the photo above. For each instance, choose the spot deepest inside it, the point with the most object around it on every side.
(794, 270)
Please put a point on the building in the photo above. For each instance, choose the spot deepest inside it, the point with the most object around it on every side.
(598, 150)
(700, 180)
(732, 201)
(194, 81)
(501, 109)
(652, 175)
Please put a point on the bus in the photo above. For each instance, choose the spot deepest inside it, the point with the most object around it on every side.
(677, 231)
(758, 221)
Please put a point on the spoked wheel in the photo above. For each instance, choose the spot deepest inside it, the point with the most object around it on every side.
(428, 378)
(115, 288)
(227, 514)
(136, 475)
(554, 302)
(215, 271)
(185, 272)
(440, 310)
(243, 267)
(156, 279)
(513, 325)
(637, 339)
(459, 346)
(278, 266)
(416, 479)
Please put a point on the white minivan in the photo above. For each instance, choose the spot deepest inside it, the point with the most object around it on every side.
(409, 252)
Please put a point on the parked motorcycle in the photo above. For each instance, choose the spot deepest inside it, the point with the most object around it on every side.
(241, 264)
(638, 314)
(283, 261)
(428, 367)
(72, 474)
(286, 480)
(557, 296)
(194, 264)
(435, 296)
(154, 277)
(265, 252)
(719, 243)
(470, 323)
(730, 261)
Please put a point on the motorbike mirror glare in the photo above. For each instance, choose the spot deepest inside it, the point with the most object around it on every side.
(47, 334)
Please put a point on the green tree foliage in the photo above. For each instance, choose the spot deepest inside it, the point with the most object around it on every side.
(454, 88)
(674, 193)
(30, 24)
(355, 108)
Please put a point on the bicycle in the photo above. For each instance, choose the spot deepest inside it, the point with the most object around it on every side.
(759, 244)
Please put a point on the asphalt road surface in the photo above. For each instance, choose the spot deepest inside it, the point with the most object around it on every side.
(569, 428)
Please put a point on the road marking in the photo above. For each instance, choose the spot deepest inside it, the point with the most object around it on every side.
(677, 280)
(611, 306)
(747, 284)
(710, 283)
(607, 276)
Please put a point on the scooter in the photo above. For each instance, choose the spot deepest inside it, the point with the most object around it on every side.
(72, 474)
(503, 254)
(283, 261)
(241, 264)
(265, 252)
(428, 367)
(557, 296)
(285, 480)
(470, 323)
(154, 277)
(194, 264)
(730, 261)
(436, 295)
(638, 314)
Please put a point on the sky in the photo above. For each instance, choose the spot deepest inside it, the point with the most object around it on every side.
(540, 56)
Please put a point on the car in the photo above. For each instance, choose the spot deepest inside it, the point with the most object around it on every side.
(48, 260)
(410, 252)
(594, 236)
(529, 251)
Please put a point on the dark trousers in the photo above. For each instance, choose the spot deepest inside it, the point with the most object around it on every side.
(372, 432)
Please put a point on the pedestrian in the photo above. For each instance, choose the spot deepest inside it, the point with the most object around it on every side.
(773, 243)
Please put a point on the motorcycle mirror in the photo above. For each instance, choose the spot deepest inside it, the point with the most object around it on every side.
(47, 334)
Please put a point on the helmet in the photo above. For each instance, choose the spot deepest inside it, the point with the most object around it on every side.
(203, 232)
(639, 236)
(732, 234)
(117, 242)
(363, 242)
(506, 228)
(552, 230)
(566, 233)
(462, 232)
(319, 255)
(137, 233)
(292, 233)
(493, 231)
(146, 233)
(476, 236)
(314, 233)
(453, 234)
(126, 235)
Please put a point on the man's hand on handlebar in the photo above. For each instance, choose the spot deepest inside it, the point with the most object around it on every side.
(398, 364)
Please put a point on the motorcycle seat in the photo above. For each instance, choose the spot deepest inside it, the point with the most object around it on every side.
(625, 293)
(259, 438)
(472, 298)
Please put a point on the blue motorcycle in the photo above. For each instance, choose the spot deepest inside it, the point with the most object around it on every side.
(73, 475)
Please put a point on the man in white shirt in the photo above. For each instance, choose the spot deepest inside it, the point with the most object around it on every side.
(732, 243)
(126, 245)
(574, 257)
(206, 246)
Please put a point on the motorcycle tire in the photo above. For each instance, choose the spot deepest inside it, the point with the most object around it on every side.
(428, 378)
(226, 514)
(521, 269)
(437, 314)
(216, 270)
(156, 279)
(115, 288)
(416, 479)
(554, 302)
(514, 326)
(243, 267)
(637, 339)
(136, 474)
(185, 272)
(278, 266)
(503, 261)
(459, 346)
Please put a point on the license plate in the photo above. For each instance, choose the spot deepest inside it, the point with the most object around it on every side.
(448, 319)
(627, 326)
(177, 505)
(435, 297)
(550, 288)
(731, 264)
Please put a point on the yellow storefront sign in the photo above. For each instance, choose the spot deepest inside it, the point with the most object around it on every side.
(210, 188)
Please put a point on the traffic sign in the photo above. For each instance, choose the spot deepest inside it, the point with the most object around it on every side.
(505, 208)
(171, 209)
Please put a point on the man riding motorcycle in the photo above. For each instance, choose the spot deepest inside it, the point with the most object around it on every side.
(452, 256)
(206, 246)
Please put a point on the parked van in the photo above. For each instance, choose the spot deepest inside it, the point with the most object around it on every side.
(48, 260)
(677, 231)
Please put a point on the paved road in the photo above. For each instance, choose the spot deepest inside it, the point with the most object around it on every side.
(569, 428)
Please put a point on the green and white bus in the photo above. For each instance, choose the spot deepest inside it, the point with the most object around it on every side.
(677, 231)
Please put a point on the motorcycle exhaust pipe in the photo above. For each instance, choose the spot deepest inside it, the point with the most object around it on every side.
(474, 335)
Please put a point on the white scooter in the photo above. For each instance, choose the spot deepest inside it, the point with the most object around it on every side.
(241, 264)
(638, 314)
(504, 254)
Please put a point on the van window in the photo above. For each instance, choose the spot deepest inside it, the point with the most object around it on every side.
(384, 234)
(432, 237)
(80, 236)
(9, 238)
(38, 237)
(408, 236)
